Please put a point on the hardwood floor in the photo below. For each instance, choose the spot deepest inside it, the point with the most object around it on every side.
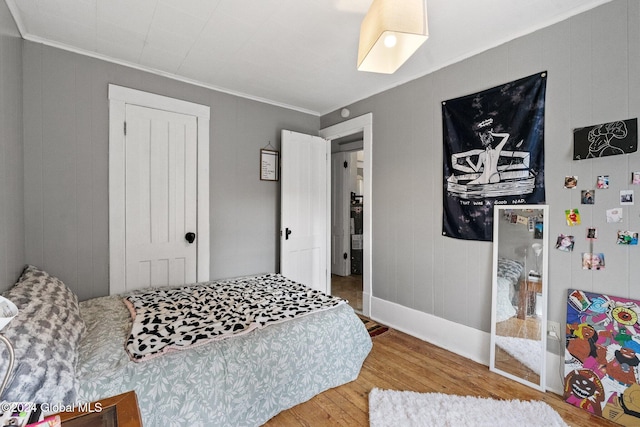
(528, 328)
(401, 362)
(349, 288)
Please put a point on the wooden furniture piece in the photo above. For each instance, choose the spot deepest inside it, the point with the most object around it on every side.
(528, 289)
(121, 411)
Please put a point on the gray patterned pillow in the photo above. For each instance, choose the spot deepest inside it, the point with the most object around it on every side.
(509, 269)
(45, 335)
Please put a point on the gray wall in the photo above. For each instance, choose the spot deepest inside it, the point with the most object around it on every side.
(12, 257)
(66, 168)
(593, 63)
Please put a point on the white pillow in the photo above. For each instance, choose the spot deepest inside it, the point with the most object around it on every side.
(504, 309)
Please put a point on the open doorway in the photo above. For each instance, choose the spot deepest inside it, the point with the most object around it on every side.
(347, 213)
(357, 129)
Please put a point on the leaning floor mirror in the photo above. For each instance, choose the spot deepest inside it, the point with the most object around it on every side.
(519, 302)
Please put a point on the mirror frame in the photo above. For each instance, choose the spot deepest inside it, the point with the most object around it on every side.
(497, 213)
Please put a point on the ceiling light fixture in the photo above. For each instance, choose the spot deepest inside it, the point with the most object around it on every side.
(391, 31)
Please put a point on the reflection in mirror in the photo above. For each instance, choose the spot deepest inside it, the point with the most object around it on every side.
(519, 312)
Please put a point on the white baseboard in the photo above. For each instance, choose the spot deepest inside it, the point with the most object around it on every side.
(455, 337)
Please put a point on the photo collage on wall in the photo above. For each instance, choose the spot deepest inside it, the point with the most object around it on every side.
(593, 142)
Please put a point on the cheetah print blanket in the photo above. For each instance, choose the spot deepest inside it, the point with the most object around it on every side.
(169, 319)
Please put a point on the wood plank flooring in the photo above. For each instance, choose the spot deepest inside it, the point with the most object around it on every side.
(349, 288)
(401, 362)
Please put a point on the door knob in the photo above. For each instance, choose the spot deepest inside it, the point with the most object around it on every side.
(286, 233)
(190, 237)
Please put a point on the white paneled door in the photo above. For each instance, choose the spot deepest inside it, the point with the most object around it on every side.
(341, 169)
(160, 197)
(305, 209)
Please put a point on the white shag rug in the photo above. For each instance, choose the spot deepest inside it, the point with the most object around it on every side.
(528, 352)
(389, 408)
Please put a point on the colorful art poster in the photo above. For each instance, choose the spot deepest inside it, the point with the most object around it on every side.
(601, 356)
(493, 155)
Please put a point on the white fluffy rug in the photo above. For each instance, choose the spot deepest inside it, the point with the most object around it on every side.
(408, 408)
(528, 352)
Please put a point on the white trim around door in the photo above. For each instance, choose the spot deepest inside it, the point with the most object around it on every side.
(119, 97)
(362, 124)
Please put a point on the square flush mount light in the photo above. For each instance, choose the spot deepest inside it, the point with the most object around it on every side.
(391, 32)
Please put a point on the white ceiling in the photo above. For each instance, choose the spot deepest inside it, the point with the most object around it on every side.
(296, 53)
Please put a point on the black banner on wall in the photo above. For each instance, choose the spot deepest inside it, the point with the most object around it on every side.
(493, 155)
(607, 139)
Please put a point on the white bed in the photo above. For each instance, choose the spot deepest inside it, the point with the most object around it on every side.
(239, 381)
(508, 276)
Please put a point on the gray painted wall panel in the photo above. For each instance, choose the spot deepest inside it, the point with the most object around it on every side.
(525, 54)
(580, 68)
(84, 179)
(425, 209)
(66, 168)
(583, 88)
(12, 253)
(100, 175)
(59, 195)
(557, 61)
(33, 155)
(611, 64)
(634, 111)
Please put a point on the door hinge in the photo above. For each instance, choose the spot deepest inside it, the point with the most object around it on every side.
(345, 164)
(125, 128)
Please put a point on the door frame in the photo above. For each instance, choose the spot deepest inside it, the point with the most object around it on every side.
(358, 124)
(119, 97)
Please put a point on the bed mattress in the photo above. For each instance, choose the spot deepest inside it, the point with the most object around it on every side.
(241, 381)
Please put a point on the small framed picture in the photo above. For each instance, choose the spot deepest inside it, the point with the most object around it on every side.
(538, 231)
(565, 243)
(269, 167)
(592, 261)
(635, 178)
(614, 215)
(626, 197)
(627, 238)
(602, 182)
(588, 197)
(592, 233)
(570, 182)
(572, 216)
(531, 223)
